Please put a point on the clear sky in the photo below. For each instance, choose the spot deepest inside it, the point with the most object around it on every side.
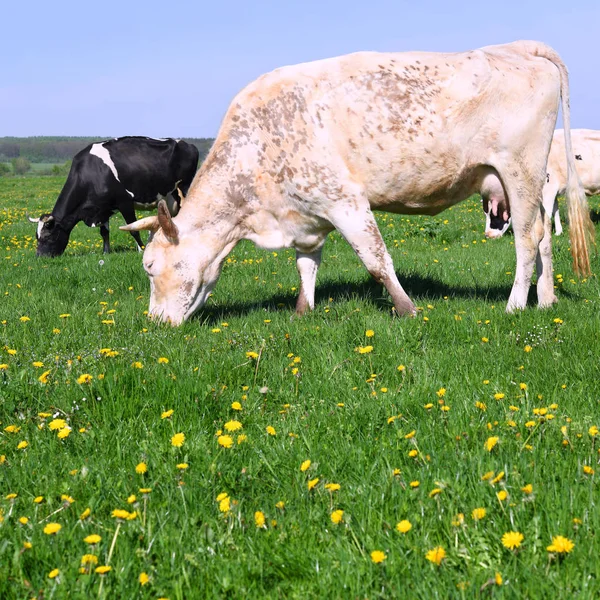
(171, 68)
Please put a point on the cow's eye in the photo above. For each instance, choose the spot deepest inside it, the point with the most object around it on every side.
(147, 268)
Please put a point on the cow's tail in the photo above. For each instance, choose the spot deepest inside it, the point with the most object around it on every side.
(581, 228)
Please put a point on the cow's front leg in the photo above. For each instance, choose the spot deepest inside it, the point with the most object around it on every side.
(105, 233)
(307, 265)
(360, 229)
(128, 213)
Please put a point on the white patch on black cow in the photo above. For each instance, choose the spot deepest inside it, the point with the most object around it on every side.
(102, 153)
(40, 226)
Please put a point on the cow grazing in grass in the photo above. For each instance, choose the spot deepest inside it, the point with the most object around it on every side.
(122, 175)
(319, 146)
(586, 149)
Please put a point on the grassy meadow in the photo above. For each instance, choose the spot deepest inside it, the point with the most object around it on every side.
(347, 454)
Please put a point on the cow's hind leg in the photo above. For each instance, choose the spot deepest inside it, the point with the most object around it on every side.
(525, 196)
(307, 264)
(105, 233)
(545, 279)
(358, 226)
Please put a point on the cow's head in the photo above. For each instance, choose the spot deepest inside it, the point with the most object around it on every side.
(52, 239)
(183, 265)
(497, 217)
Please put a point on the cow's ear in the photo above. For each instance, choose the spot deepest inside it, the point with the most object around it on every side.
(166, 222)
(145, 224)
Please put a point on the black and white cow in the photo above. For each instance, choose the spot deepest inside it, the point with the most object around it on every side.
(122, 175)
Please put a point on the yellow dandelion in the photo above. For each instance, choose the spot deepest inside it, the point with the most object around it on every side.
(332, 487)
(85, 378)
(404, 526)
(512, 539)
(259, 519)
(53, 574)
(312, 483)
(369, 333)
(163, 360)
(143, 578)
(236, 406)
(92, 539)
(226, 441)
(502, 495)
(478, 514)
(85, 514)
(178, 439)
(167, 414)
(561, 545)
(271, 430)
(377, 556)
(141, 468)
(52, 528)
(182, 466)
(527, 489)
(22, 445)
(43, 378)
(337, 516)
(364, 349)
(233, 426)
(491, 443)
(103, 569)
(436, 555)
(305, 465)
(414, 484)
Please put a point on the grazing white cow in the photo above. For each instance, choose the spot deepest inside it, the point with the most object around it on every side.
(586, 148)
(315, 147)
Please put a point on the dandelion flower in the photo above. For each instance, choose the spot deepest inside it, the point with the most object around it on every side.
(224, 504)
(271, 430)
(236, 406)
(491, 443)
(252, 355)
(85, 378)
(593, 431)
(131, 499)
(337, 516)
(182, 466)
(502, 495)
(52, 528)
(92, 539)
(89, 559)
(312, 483)
(527, 489)
(22, 445)
(369, 333)
(377, 556)
(512, 539)
(586, 468)
(434, 492)
(404, 526)
(414, 484)
(23, 520)
(561, 545)
(85, 514)
(103, 569)
(141, 468)
(53, 574)
(233, 426)
(57, 424)
(167, 414)
(436, 555)
(163, 361)
(410, 435)
(364, 349)
(225, 441)
(478, 514)
(143, 578)
(259, 519)
(38, 499)
(305, 465)
(177, 440)
(43, 378)
(65, 432)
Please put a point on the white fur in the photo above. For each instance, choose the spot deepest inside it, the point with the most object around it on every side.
(102, 153)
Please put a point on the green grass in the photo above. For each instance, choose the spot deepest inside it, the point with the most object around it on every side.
(333, 411)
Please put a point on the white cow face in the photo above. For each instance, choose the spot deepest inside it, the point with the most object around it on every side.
(182, 267)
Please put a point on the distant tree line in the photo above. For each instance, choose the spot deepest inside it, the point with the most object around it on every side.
(61, 148)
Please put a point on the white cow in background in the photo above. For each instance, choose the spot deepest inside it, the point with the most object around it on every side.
(319, 146)
(586, 149)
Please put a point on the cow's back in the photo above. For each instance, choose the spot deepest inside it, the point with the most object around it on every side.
(408, 127)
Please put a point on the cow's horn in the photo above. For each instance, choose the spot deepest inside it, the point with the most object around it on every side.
(145, 224)
(166, 222)
(32, 220)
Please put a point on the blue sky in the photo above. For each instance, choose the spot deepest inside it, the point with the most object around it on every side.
(171, 68)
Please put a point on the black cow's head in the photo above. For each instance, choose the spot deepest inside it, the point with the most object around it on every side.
(52, 239)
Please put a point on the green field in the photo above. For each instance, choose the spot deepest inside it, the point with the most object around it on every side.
(427, 420)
